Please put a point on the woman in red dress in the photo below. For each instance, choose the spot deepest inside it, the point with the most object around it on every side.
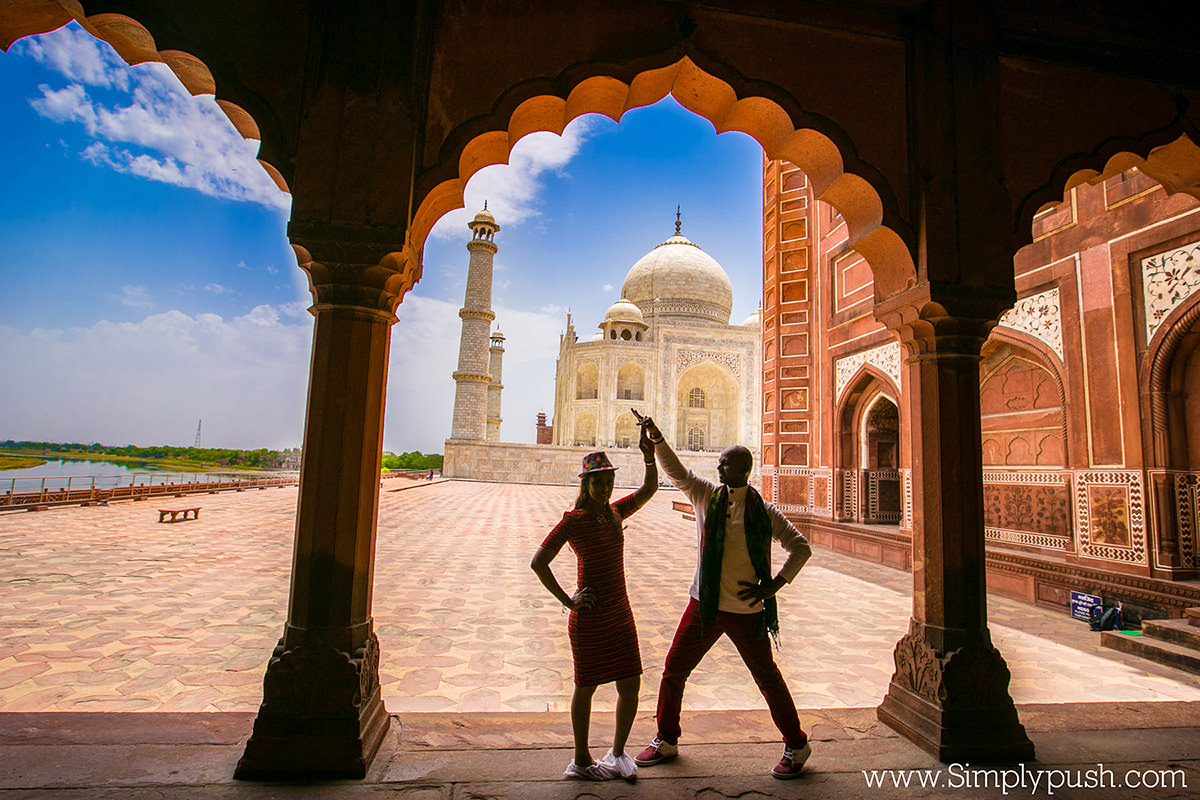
(604, 644)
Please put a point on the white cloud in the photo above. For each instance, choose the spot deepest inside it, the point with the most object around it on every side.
(424, 354)
(134, 296)
(511, 189)
(247, 377)
(149, 125)
(217, 288)
(608, 287)
(148, 382)
(74, 53)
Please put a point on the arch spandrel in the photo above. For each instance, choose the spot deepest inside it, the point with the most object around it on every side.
(764, 119)
(134, 43)
(1102, 124)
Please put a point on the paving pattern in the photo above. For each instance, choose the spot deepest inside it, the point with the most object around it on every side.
(105, 609)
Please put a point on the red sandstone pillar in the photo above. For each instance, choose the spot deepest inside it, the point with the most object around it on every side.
(949, 693)
(321, 713)
(950, 690)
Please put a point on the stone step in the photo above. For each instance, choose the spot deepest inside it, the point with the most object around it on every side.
(1169, 653)
(1192, 615)
(1176, 631)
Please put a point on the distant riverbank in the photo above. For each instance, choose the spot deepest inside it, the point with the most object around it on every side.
(165, 464)
(20, 462)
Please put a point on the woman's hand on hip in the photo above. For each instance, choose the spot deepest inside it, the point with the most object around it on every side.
(585, 598)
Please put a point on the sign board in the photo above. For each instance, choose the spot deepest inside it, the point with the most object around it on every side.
(1082, 603)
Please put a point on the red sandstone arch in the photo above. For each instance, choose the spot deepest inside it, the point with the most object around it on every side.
(1169, 156)
(1034, 351)
(1160, 374)
(868, 384)
(764, 119)
(135, 45)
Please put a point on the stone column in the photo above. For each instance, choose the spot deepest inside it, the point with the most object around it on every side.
(949, 693)
(950, 690)
(321, 714)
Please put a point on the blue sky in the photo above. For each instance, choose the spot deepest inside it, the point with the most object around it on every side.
(148, 281)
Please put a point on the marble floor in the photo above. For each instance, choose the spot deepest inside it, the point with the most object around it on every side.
(105, 609)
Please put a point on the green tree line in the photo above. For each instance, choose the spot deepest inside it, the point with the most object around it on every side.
(261, 458)
(413, 460)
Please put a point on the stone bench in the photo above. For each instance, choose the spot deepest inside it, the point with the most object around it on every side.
(178, 514)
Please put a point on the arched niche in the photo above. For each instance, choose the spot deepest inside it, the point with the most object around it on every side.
(626, 430)
(584, 429)
(867, 389)
(631, 382)
(587, 381)
(707, 399)
(1021, 405)
(1171, 384)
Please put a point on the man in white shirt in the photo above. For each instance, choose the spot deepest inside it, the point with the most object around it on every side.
(733, 593)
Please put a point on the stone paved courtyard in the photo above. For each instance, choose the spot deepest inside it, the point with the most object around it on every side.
(104, 609)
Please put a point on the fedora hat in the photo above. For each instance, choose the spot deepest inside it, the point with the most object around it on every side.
(597, 462)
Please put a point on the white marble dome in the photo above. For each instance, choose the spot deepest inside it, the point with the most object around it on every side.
(624, 311)
(754, 320)
(678, 279)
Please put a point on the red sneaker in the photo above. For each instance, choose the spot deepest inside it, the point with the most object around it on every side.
(656, 753)
(792, 762)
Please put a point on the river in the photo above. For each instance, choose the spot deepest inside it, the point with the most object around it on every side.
(56, 473)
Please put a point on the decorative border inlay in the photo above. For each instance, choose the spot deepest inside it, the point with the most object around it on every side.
(1040, 478)
(1028, 478)
(887, 357)
(1135, 552)
(1024, 537)
(848, 499)
(1039, 315)
(814, 507)
(1167, 280)
(687, 358)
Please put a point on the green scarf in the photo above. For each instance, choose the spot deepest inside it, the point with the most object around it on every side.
(758, 543)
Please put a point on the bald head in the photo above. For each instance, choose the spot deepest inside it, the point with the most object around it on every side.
(734, 466)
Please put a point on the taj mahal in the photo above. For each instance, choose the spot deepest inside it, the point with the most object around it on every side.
(665, 348)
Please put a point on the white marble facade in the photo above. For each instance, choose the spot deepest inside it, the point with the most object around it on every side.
(666, 348)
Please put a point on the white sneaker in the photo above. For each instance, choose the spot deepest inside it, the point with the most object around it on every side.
(622, 765)
(592, 772)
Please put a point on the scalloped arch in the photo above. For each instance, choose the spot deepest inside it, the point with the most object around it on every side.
(761, 118)
(135, 45)
(1171, 157)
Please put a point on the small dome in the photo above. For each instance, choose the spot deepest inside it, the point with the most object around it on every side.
(598, 336)
(678, 279)
(754, 320)
(485, 216)
(624, 311)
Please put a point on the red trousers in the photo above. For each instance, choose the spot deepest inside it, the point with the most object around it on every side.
(692, 641)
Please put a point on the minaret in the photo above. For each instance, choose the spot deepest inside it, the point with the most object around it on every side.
(472, 377)
(495, 366)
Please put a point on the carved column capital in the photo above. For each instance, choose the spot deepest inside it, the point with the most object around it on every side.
(941, 319)
(358, 274)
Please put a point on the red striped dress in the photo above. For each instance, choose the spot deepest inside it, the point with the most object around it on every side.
(604, 641)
